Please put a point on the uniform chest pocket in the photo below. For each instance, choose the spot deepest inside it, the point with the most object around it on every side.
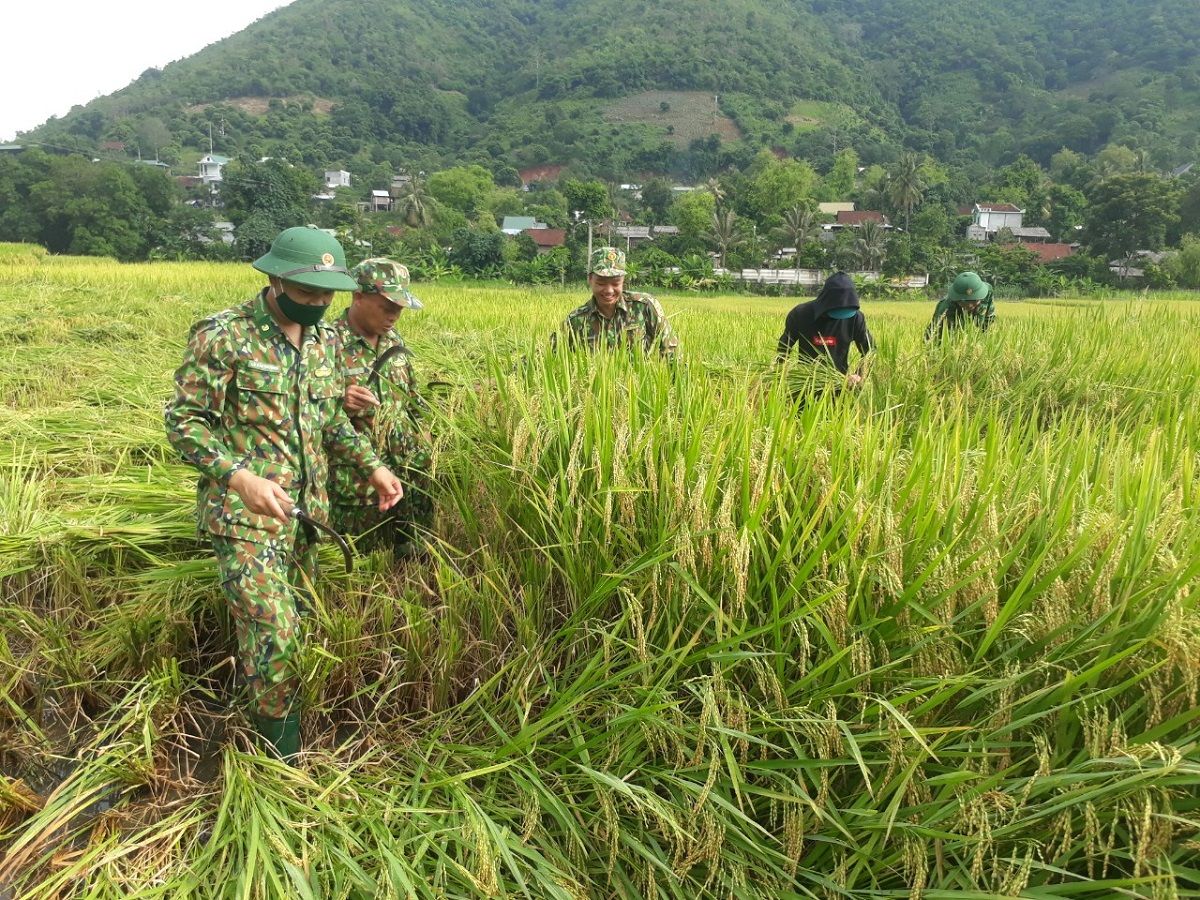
(323, 389)
(262, 395)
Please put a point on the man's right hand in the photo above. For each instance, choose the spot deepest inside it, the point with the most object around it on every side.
(262, 496)
(358, 398)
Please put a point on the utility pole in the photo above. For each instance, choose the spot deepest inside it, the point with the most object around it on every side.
(577, 214)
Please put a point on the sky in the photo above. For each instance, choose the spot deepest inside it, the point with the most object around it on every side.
(61, 52)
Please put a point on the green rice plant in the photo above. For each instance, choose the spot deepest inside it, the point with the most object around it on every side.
(710, 629)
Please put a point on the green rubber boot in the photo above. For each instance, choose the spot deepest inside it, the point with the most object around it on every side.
(281, 735)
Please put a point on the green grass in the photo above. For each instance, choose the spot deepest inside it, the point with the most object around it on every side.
(676, 638)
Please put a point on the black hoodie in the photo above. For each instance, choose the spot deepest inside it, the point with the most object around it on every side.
(817, 335)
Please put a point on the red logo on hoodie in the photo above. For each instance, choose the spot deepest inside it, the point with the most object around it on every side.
(821, 341)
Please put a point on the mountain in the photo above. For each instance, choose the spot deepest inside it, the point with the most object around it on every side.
(681, 86)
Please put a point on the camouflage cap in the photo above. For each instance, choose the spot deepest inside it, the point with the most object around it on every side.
(387, 278)
(607, 262)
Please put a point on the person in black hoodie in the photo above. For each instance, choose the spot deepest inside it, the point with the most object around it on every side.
(824, 328)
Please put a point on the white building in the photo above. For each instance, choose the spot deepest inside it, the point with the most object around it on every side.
(992, 217)
(210, 167)
(337, 178)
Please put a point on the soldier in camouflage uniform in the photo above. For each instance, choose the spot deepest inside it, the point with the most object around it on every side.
(613, 318)
(382, 400)
(258, 410)
(969, 300)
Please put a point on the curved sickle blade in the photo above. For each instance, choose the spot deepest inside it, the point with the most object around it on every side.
(347, 553)
(380, 362)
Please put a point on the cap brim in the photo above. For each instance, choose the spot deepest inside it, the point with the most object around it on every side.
(608, 273)
(328, 281)
(403, 298)
(322, 281)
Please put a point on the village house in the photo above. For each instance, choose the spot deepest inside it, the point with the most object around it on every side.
(547, 238)
(381, 201)
(336, 178)
(514, 225)
(210, 167)
(849, 218)
(832, 209)
(633, 235)
(987, 219)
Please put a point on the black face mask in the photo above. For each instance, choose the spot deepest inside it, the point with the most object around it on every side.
(299, 313)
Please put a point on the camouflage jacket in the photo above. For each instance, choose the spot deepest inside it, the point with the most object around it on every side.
(950, 315)
(639, 320)
(393, 426)
(245, 397)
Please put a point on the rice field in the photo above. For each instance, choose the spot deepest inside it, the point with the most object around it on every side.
(675, 637)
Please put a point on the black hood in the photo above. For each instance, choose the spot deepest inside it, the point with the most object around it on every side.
(837, 293)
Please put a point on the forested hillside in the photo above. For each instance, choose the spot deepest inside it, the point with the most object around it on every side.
(424, 83)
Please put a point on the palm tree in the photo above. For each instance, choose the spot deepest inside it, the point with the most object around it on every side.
(906, 185)
(726, 232)
(870, 246)
(416, 205)
(713, 186)
(799, 228)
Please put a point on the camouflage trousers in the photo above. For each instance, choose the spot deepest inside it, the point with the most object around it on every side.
(398, 527)
(266, 586)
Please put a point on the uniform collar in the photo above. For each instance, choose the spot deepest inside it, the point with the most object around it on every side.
(265, 323)
(389, 337)
(622, 304)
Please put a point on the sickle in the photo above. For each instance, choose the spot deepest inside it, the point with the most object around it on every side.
(347, 554)
(380, 361)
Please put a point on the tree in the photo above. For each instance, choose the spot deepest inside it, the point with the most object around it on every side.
(773, 185)
(1185, 265)
(657, 197)
(1067, 207)
(691, 213)
(839, 183)
(870, 246)
(587, 197)
(1130, 212)
(725, 231)
(905, 186)
(799, 228)
(1115, 159)
(93, 209)
(464, 188)
(477, 252)
(275, 194)
(415, 204)
(152, 134)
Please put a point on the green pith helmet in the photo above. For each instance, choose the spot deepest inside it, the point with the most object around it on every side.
(307, 256)
(969, 287)
(607, 262)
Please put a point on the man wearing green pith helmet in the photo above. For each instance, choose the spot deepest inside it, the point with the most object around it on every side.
(614, 318)
(258, 411)
(969, 299)
(382, 400)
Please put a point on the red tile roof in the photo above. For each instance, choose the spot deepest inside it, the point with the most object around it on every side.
(999, 207)
(547, 237)
(857, 217)
(1050, 252)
